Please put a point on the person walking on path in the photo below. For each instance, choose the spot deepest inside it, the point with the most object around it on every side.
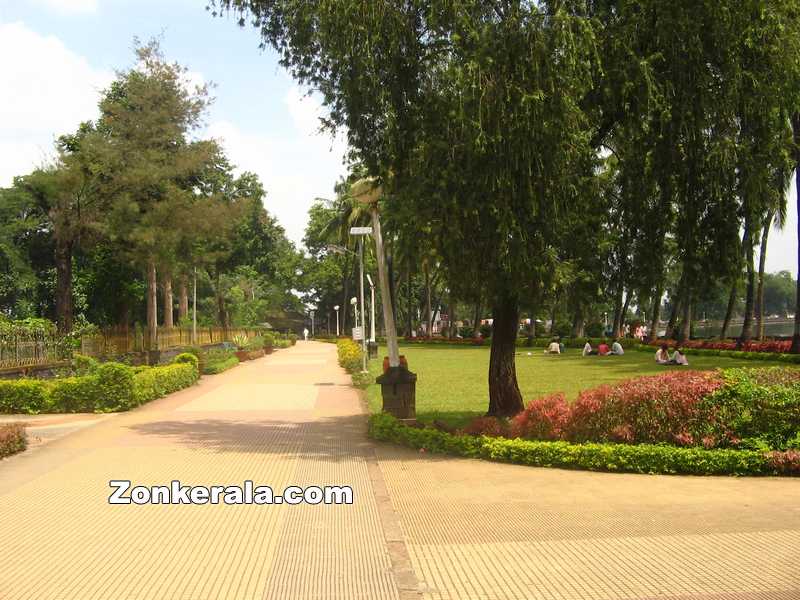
(305, 334)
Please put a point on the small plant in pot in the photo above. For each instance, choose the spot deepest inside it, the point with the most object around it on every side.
(256, 347)
(269, 343)
(241, 341)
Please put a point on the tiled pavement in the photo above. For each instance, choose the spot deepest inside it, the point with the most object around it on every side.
(420, 527)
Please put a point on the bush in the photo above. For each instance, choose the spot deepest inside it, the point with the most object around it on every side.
(543, 419)
(83, 365)
(292, 338)
(256, 343)
(23, 396)
(268, 340)
(112, 387)
(187, 358)
(349, 355)
(12, 439)
(74, 394)
(215, 366)
(114, 390)
(644, 458)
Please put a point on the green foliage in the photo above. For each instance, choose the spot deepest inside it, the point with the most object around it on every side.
(349, 354)
(157, 382)
(114, 390)
(75, 394)
(640, 458)
(256, 343)
(12, 438)
(188, 358)
(220, 362)
(83, 365)
(268, 340)
(24, 396)
(241, 341)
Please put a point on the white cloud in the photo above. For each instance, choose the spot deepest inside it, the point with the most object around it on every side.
(70, 6)
(295, 168)
(45, 91)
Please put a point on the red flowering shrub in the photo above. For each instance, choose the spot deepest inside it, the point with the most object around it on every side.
(661, 408)
(785, 463)
(490, 426)
(543, 419)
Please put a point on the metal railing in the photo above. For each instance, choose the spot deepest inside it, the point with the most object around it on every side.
(114, 341)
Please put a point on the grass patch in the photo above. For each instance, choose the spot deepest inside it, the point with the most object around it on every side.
(452, 383)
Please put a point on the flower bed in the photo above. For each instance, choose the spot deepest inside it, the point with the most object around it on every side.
(732, 408)
(643, 458)
(12, 439)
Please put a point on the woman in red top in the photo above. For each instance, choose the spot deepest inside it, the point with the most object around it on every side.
(603, 349)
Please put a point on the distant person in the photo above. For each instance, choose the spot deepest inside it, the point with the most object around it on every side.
(553, 348)
(679, 358)
(561, 346)
(603, 349)
(662, 356)
(617, 349)
(305, 334)
(587, 349)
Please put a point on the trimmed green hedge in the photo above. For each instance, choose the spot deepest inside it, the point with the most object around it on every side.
(12, 439)
(111, 387)
(788, 358)
(215, 366)
(642, 458)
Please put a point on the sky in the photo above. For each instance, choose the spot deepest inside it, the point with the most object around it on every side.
(57, 55)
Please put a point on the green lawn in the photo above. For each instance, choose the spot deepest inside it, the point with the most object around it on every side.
(452, 381)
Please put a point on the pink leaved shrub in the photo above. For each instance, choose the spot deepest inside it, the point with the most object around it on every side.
(543, 419)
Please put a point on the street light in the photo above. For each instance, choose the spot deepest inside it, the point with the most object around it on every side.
(361, 232)
(312, 323)
(336, 308)
(372, 310)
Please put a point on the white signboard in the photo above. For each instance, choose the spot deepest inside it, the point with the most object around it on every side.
(358, 334)
(360, 230)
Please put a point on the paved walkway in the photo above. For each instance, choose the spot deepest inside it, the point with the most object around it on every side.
(420, 527)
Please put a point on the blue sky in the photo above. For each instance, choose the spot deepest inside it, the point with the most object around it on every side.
(57, 54)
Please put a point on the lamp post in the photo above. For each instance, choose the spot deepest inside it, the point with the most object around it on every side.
(372, 309)
(336, 308)
(312, 323)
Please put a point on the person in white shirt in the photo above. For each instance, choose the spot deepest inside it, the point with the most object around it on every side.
(662, 356)
(305, 334)
(679, 358)
(553, 348)
(587, 349)
(616, 348)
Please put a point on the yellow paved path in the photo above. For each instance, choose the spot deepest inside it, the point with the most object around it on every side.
(420, 526)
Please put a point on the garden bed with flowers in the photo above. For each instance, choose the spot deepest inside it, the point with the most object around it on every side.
(731, 421)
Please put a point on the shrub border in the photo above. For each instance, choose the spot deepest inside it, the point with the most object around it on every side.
(13, 439)
(619, 458)
(740, 354)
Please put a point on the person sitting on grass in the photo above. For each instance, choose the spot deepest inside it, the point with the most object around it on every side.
(616, 348)
(554, 347)
(603, 349)
(679, 358)
(561, 346)
(662, 356)
(587, 349)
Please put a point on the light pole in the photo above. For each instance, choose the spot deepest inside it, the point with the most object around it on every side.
(312, 323)
(372, 309)
(336, 308)
(194, 308)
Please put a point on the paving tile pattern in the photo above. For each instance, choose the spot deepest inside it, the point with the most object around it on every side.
(421, 526)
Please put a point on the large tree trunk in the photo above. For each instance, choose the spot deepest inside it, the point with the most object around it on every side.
(686, 318)
(63, 260)
(620, 331)
(505, 398)
(747, 326)
(428, 312)
(734, 290)
(577, 323)
(617, 323)
(152, 305)
(168, 315)
(796, 131)
(762, 263)
(409, 304)
(652, 334)
(183, 299)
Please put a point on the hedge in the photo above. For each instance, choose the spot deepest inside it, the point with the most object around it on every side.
(740, 354)
(349, 354)
(216, 366)
(12, 439)
(111, 387)
(623, 458)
